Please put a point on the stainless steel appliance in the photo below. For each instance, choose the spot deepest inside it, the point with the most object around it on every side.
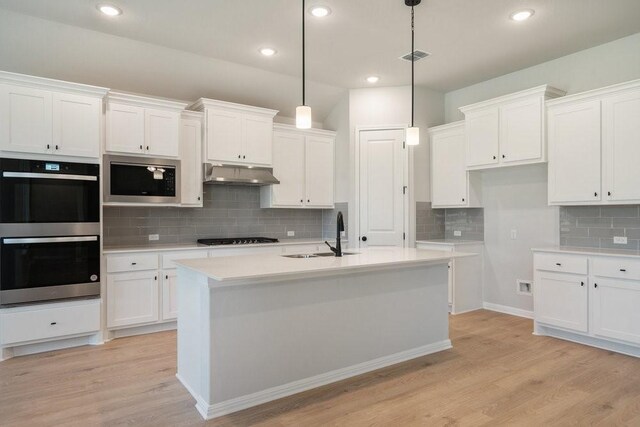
(236, 241)
(49, 230)
(240, 175)
(141, 180)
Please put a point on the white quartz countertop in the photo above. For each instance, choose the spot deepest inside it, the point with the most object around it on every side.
(273, 266)
(589, 251)
(192, 246)
(450, 242)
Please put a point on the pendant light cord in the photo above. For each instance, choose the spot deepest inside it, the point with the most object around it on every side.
(303, 55)
(413, 60)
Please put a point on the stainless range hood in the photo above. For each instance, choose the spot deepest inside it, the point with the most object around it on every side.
(239, 175)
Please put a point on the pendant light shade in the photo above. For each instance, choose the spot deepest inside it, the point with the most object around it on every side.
(303, 112)
(413, 132)
(303, 117)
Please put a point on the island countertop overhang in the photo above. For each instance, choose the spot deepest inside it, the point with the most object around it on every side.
(244, 269)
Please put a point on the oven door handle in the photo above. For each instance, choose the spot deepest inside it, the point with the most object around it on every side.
(49, 176)
(50, 240)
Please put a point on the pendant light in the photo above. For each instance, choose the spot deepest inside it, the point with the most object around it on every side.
(303, 112)
(413, 132)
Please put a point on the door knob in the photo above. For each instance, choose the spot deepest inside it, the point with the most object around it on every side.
(364, 238)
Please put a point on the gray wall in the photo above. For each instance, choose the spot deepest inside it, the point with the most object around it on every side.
(469, 221)
(595, 226)
(229, 211)
(429, 222)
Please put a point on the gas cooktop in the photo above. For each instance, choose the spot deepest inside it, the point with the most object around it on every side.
(236, 241)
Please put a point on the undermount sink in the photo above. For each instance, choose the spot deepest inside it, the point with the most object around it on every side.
(301, 256)
(321, 254)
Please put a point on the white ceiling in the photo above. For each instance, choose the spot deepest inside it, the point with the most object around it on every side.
(470, 40)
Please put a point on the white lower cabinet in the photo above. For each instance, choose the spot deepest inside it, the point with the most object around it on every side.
(600, 307)
(169, 295)
(132, 298)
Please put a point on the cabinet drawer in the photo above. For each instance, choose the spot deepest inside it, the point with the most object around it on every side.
(620, 268)
(561, 263)
(42, 323)
(169, 257)
(132, 262)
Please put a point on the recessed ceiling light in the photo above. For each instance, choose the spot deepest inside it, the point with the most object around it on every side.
(268, 51)
(320, 11)
(522, 15)
(109, 9)
(373, 79)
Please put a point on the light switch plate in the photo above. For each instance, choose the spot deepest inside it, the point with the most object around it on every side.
(619, 240)
(154, 237)
(457, 233)
(291, 233)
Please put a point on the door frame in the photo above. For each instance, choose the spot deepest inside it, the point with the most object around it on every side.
(407, 179)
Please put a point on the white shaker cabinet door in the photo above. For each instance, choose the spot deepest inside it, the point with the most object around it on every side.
(224, 136)
(319, 171)
(162, 130)
(621, 147)
(191, 162)
(169, 295)
(574, 153)
(561, 300)
(521, 127)
(76, 125)
(449, 174)
(615, 309)
(482, 135)
(257, 134)
(125, 128)
(132, 298)
(289, 169)
(25, 119)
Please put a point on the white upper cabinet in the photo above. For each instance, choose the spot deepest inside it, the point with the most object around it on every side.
(508, 130)
(303, 162)
(236, 134)
(143, 125)
(593, 146)
(451, 184)
(43, 116)
(191, 158)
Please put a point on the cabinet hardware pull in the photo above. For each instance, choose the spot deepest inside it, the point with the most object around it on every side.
(238, 155)
(141, 147)
(595, 285)
(595, 194)
(48, 146)
(308, 200)
(155, 277)
(581, 283)
(198, 197)
(624, 270)
(558, 264)
(244, 157)
(494, 157)
(134, 263)
(166, 276)
(463, 199)
(608, 193)
(147, 148)
(301, 201)
(56, 147)
(503, 156)
(54, 323)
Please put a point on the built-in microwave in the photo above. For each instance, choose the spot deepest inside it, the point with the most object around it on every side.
(141, 180)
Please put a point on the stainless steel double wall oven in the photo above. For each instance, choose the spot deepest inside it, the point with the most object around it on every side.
(49, 230)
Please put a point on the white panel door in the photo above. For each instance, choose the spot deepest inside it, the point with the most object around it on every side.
(162, 133)
(482, 136)
(289, 169)
(25, 119)
(76, 125)
(381, 188)
(319, 171)
(125, 128)
(191, 162)
(257, 134)
(574, 153)
(615, 309)
(521, 130)
(169, 295)
(132, 298)
(561, 300)
(621, 146)
(224, 136)
(449, 182)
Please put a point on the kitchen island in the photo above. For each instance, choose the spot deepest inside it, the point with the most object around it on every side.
(256, 328)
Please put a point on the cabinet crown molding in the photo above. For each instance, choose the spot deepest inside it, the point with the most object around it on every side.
(282, 127)
(549, 92)
(51, 84)
(193, 115)
(146, 101)
(596, 93)
(459, 125)
(205, 103)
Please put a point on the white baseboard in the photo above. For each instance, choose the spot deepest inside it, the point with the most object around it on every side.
(52, 345)
(629, 350)
(142, 330)
(243, 402)
(508, 310)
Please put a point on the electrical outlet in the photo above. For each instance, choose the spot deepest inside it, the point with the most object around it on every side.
(457, 233)
(154, 237)
(291, 233)
(514, 234)
(619, 240)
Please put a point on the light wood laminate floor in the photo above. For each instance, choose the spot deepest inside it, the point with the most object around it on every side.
(496, 374)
